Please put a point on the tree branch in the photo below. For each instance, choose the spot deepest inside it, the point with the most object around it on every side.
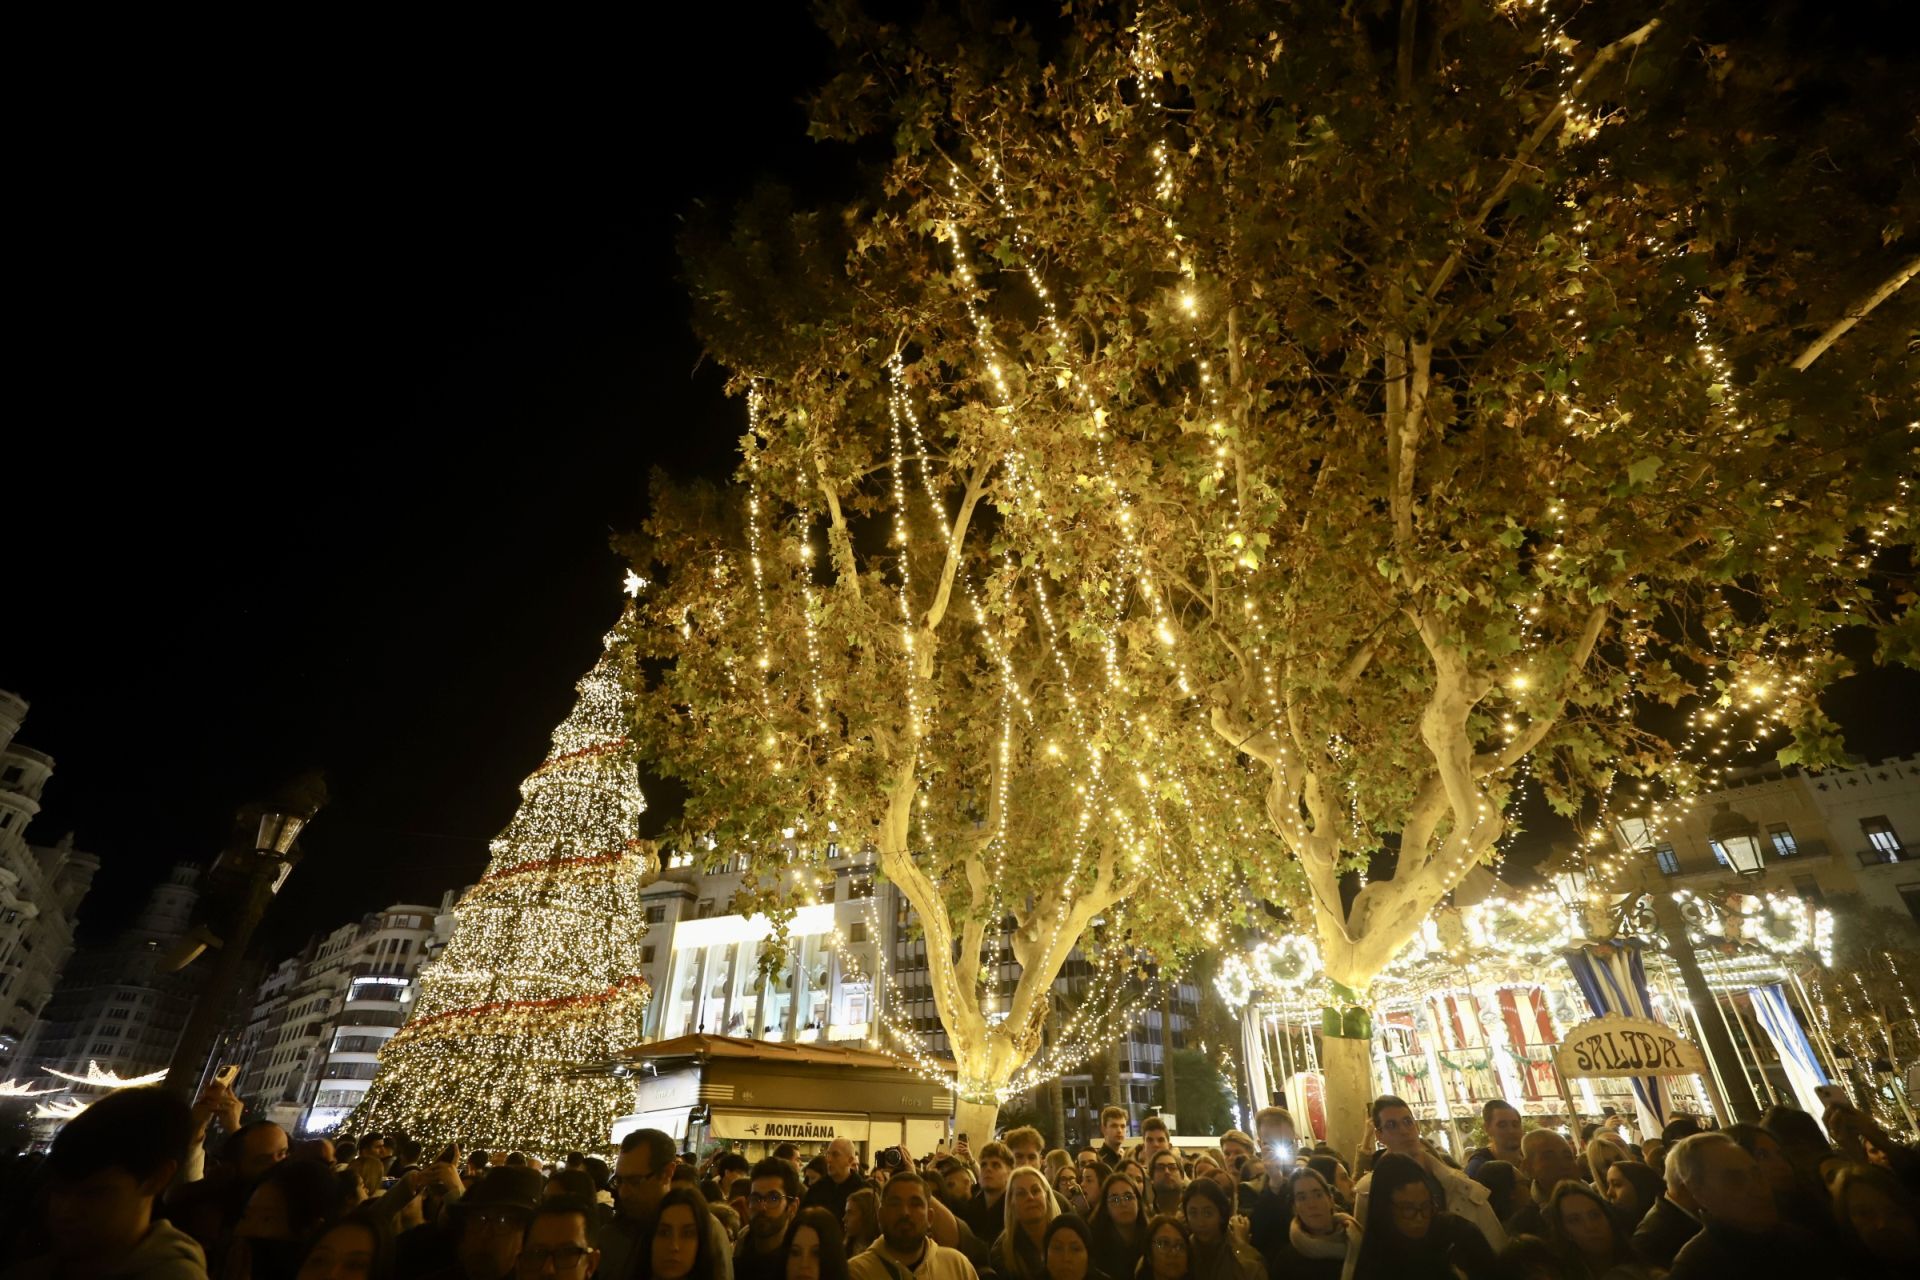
(837, 535)
(1835, 331)
(956, 542)
(1541, 132)
(1530, 737)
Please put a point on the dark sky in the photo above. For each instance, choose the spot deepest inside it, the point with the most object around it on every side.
(350, 354)
(348, 363)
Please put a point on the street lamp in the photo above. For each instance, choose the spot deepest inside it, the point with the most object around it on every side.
(259, 856)
(1738, 837)
(1571, 883)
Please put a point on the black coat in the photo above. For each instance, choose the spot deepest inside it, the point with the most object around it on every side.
(1288, 1264)
(1451, 1243)
(1785, 1253)
(1113, 1256)
(833, 1196)
(1661, 1232)
(985, 1220)
(1269, 1213)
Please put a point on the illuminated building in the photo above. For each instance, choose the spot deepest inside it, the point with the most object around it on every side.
(1854, 830)
(319, 1018)
(40, 888)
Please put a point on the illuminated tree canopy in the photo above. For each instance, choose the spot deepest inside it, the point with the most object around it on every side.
(1422, 397)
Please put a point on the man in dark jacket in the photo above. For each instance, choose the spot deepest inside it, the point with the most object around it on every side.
(646, 1170)
(773, 1197)
(842, 1180)
(488, 1223)
(1741, 1233)
(1267, 1199)
(1546, 1161)
(986, 1213)
(1666, 1226)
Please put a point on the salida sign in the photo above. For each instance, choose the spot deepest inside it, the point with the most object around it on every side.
(1627, 1047)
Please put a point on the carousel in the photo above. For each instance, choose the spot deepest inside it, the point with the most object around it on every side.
(1487, 1001)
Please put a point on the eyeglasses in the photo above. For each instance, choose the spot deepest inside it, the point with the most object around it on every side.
(1122, 1197)
(1167, 1244)
(1397, 1124)
(1423, 1209)
(565, 1259)
(634, 1179)
(499, 1219)
(768, 1199)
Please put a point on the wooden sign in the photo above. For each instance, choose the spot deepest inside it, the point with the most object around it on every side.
(1618, 1046)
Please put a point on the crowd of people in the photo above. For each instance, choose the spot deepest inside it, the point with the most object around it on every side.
(133, 1188)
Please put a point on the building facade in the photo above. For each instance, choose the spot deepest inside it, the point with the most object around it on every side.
(309, 1046)
(117, 1005)
(1845, 831)
(40, 889)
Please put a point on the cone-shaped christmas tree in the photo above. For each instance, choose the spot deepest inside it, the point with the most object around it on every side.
(541, 975)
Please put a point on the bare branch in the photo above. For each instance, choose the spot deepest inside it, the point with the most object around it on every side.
(1859, 311)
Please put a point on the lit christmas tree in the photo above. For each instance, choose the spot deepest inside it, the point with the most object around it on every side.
(541, 976)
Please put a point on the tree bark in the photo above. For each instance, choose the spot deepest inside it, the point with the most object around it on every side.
(976, 1121)
(1348, 1068)
(1169, 1099)
(1733, 1081)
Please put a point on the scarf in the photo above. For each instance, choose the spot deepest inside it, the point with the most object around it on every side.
(1331, 1245)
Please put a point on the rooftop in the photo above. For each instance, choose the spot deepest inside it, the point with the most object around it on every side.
(705, 1048)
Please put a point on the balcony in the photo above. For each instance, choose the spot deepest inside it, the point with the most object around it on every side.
(1878, 857)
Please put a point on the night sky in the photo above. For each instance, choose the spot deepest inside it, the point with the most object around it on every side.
(349, 357)
(348, 364)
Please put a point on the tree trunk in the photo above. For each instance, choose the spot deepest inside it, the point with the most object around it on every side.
(1056, 1096)
(1116, 1083)
(1348, 1067)
(1736, 1096)
(1169, 1100)
(975, 1120)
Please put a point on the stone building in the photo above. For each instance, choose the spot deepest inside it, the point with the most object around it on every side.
(41, 887)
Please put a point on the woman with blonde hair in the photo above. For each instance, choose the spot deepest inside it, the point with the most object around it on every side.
(1020, 1252)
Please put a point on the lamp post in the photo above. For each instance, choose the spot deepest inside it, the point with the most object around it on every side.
(260, 854)
(1736, 835)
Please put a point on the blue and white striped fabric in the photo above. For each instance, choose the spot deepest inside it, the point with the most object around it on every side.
(1614, 980)
(1790, 1040)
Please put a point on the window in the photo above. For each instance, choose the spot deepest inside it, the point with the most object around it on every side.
(1885, 845)
(1719, 854)
(860, 888)
(857, 932)
(656, 915)
(679, 859)
(646, 955)
(1910, 894)
(704, 909)
(12, 773)
(1669, 860)
(1809, 888)
(6, 819)
(1784, 845)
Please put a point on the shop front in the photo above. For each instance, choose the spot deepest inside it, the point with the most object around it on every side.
(756, 1094)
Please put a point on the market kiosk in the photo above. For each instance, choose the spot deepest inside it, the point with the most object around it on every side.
(757, 1094)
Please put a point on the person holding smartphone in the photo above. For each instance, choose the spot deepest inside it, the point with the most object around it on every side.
(1267, 1198)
